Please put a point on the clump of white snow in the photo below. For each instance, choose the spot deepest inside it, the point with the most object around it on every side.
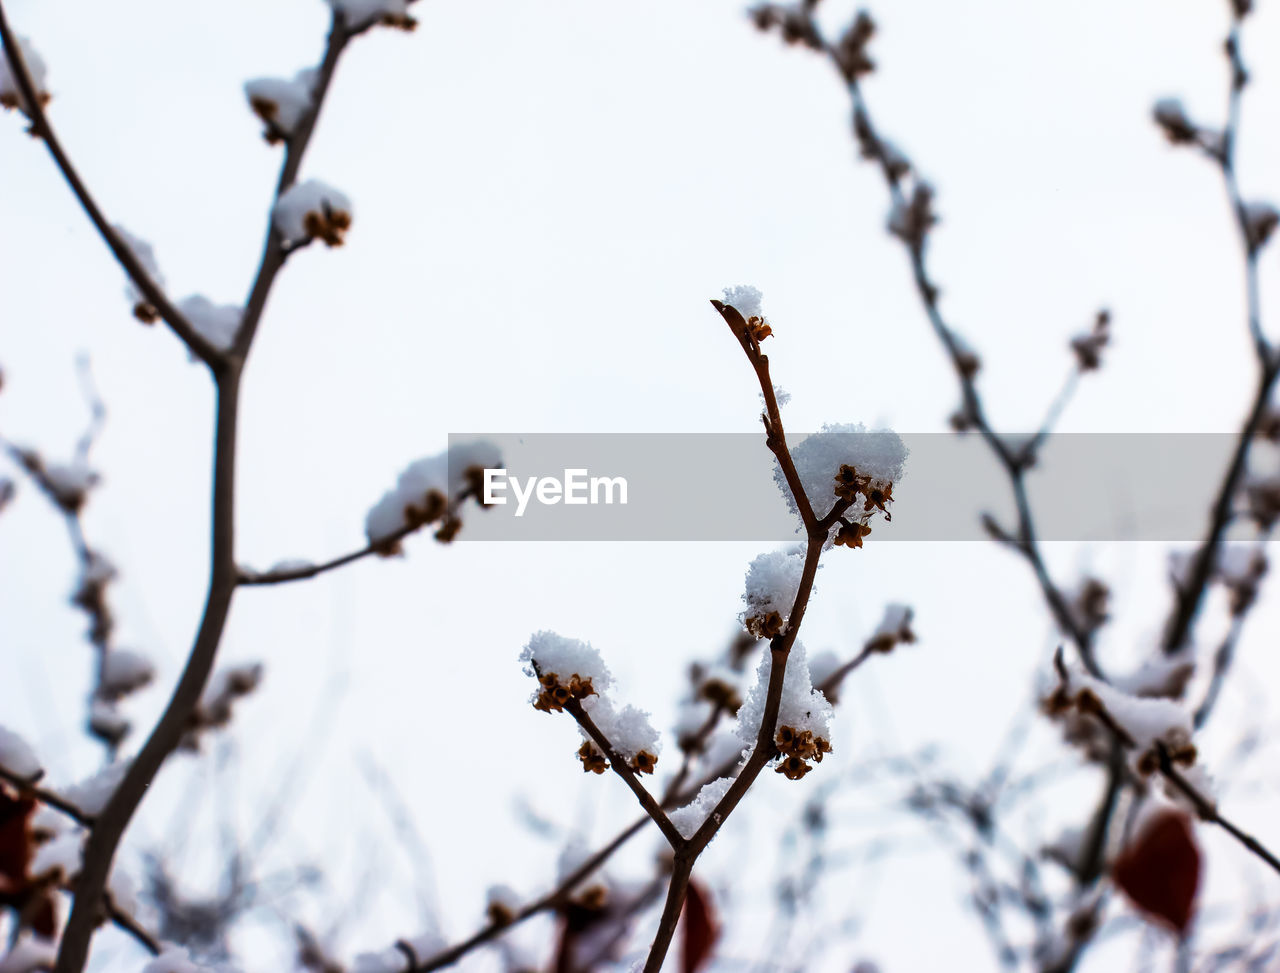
(773, 580)
(17, 756)
(310, 211)
(146, 256)
(878, 454)
(281, 104)
(216, 323)
(692, 816)
(802, 707)
(549, 654)
(37, 71)
(363, 13)
(746, 300)
(428, 488)
(627, 729)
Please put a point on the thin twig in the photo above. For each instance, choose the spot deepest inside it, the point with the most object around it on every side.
(40, 127)
(623, 770)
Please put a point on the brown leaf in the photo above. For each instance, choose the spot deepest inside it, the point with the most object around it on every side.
(700, 928)
(1160, 869)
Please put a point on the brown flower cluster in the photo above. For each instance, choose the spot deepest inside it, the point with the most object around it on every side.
(851, 53)
(722, 693)
(798, 747)
(554, 694)
(764, 626)
(593, 761)
(1088, 347)
(852, 486)
(327, 224)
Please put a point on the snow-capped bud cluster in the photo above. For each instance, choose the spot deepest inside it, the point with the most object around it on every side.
(628, 731)
(397, 958)
(218, 324)
(894, 628)
(719, 686)
(773, 579)
(10, 94)
(1161, 675)
(146, 256)
(851, 53)
(1241, 569)
(431, 490)
(502, 904)
(1095, 711)
(911, 217)
(1260, 221)
(310, 211)
(565, 669)
(842, 462)
(1088, 346)
(281, 104)
(124, 672)
(1172, 118)
(214, 710)
(692, 816)
(17, 757)
(360, 14)
(66, 484)
(121, 673)
(803, 729)
(747, 301)
(570, 670)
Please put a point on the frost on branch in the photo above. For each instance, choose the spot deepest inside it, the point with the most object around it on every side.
(431, 490)
(216, 323)
(17, 757)
(146, 256)
(803, 730)
(773, 579)
(281, 104)
(365, 13)
(10, 95)
(846, 461)
(690, 818)
(310, 211)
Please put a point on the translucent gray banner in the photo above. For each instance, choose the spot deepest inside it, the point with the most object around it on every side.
(720, 487)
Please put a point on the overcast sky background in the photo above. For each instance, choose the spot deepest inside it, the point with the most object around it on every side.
(545, 197)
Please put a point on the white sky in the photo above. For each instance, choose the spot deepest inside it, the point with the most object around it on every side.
(546, 195)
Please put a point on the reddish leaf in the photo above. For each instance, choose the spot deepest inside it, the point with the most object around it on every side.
(700, 929)
(1160, 870)
(15, 842)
